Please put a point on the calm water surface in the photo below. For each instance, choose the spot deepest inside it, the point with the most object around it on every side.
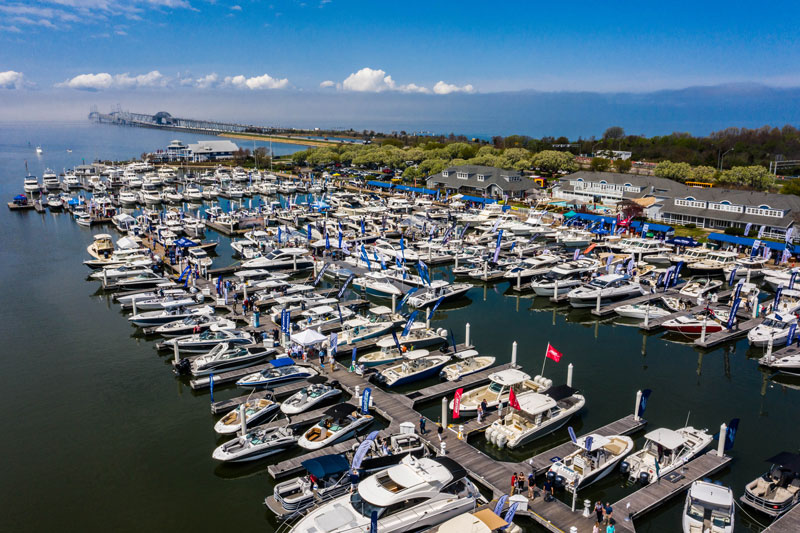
(101, 436)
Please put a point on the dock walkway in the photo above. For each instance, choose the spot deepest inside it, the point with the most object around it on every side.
(788, 523)
(608, 309)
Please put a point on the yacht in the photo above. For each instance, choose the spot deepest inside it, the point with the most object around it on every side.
(416, 494)
(317, 392)
(128, 197)
(416, 365)
(256, 444)
(551, 283)
(225, 357)
(593, 459)
(778, 490)
(496, 393)
(747, 267)
(255, 411)
(419, 336)
(139, 280)
(168, 313)
(169, 300)
(341, 422)
(323, 315)
(282, 259)
(709, 508)
(774, 329)
(483, 521)
(102, 246)
(532, 266)
(690, 255)
(641, 310)
(469, 362)
(50, 180)
(279, 371)
(610, 288)
(72, 181)
(192, 193)
(206, 340)
(714, 263)
(377, 284)
(713, 320)
(438, 289)
(54, 202)
(30, 184)
(671, 449)
(538, 415)
(190, 325)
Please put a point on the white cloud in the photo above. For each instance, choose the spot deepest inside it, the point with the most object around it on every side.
(264, 81)
(89, 82)
(104, 80)
(447, 88)
(237, 7)
(11, 29)
(152, 79)
(207, 81)
(368, 80)
(327, 83)
(11, 79)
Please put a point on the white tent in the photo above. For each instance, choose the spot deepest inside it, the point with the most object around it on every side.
(308, 337)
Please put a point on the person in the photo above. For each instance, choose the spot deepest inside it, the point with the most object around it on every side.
(610, 528)
(598, 510)
(484, 407)
(520, 483)
(384, 448)
(609, 512)
(480, 414)
(596, 527)
(513, 484)
(422, 425)
(548, 490)
(531, 486)
(354, 479)
(439, 432)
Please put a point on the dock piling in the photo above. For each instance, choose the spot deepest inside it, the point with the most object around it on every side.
(466, 340)
(514, 354)
(703, 330)
(394, 303)
(569, 375)
(723, 437)
(133, 300)
(444, 412)
(519, 279)
(242, 419)
(176, 358)
(597, 304)
(636, 407)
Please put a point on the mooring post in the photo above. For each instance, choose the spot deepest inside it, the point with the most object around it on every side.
(466, 338)
(175, 351)
(514, 354)
(444, 412)
(242, 419)
(636, 407)
(723, 437)
(569, 375)
(597, 305)
(394, 303)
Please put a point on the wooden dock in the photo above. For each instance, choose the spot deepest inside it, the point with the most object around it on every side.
(449, 387)
(738, 330)
(788, 523)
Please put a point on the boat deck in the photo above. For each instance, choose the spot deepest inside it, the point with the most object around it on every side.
(224, 406)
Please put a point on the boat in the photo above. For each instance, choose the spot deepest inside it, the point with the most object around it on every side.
(778, 278)
(469, 362)
(532, 266)
(126, 270)
(50, 180)
(282, 259)
(641, 310)
(224, 357)
(84, 219)
(778, 490)
(127, 197)
(786, 364)
(419, 336)
(194, 325)
(554, 284)
(126, 300)
(317, 392)
(671, 449)
(341, 421)
(747, 267)
(414, 495)
(102, 246)
(609, 288)
(256, 444)
(72, 181)
(323, 315)
(169, 300)
(280, 370)
(30, 184)
(538, 415)
(254, 411)
(140, 280)
(54, 202)
(496, 393)
(594, 458)
(206, 340)
(377, 284)
(438, 290)
(712, 320)
(330, 474)
(483, 521)
(416, 365)
(773, 330)
(169, 313)
(709, 508)
(714, 263)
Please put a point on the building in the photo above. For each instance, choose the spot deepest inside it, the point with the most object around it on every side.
(476, 180)
(613, 154)
(212, 150)
(675, 203)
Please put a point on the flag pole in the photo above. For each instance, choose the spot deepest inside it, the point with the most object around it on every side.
(545, 359)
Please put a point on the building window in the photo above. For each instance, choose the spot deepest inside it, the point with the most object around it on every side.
(445, 173)
(689, 202)
(761, 211)
(480, 177)
(726, 206)
(462, 175)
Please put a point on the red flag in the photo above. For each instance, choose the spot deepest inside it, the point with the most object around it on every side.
(457, 403)
(553, 354)
(512, 400)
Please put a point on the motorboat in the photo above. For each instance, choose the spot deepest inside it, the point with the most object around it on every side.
(538, 415)
(496, 393)
(699, 287)
(670, 449)
(608, 288)
(317, 392)
(416, 365)
(576, 267)
(778, 490)
(169, 300)
(712, 320)
(377, 284)
(225, 357)
(128, 197)
(709, 508)
(50, 180)
(206, 340)
(714, 263)
(554, 284)
(469, 362)
(416, 494)
(279, 371)
(30, 184)
(255, 411)
(140, 280)
(690, 255)
(359, 329)
(282, 259)
(192, 193)
(778, 278)
(169, 313)
(532, 266)
(419, 336)
(126, 300)
(121, 271)
(397, 446)
(256, 444)
(194, 324)
(72, 181)
(774, 330)
(54, 202)
(786, 364)
(340, 422)
(595, 457)
(102, 246)
(641, 310)
(324, 314)
(438, 290)
(747, 267)
(483, 521)
(84, 219)
(330, 474)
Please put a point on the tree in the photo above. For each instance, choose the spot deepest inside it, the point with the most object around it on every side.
(614, 133)
(791, 187)
(755, 177)
(554, 161)
(631, 209)
(600, 164)
(702, 173)
(623, 165)
(673, 171)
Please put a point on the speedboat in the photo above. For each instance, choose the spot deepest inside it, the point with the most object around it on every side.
(469, 362)
(747, 267)
(398, 445)
(341, 422)
(254, 412)
(709, 508)
(670, 449)
(416, 494)
(712, 320)
(777, 278)
(330, 473)
(548, 284)
(102, 246)
(595, 458)
(224, 357)
(416, 365)
(169, 300)
(538, 415)
(169, 313)
(641, 310)
(256, 444)
(778, 490)
(54, 202)
(139, 280)
(324, 314)
(483, 521)
(787, 364)
(610, 288)
(439, 289)
(359, 329)
(714, 263)
(496, 393)
(194, 324)
(206, 340)
(120, 271)
(282, 259)
(575, 267)
(377, 284)
(774, 329)
(126, 300)
(317, 392)
(419, 336)
(532, 266)
(280, 371)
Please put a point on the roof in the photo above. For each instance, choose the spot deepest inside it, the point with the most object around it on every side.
(308, 337)
(416, 354)
(560, 392)
(510, 376)
(666, 437)
(597, 442)
(326, 465)
(281, 361)
(747, 242)
(712, 494)
(210, 147)
(534, 403)
(506, 180)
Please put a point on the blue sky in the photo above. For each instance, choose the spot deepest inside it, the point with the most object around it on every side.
(408, 46)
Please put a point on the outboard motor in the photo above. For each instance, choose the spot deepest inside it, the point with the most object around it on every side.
(624, 468)
(183, 367)
(644, 478)
(560, 482)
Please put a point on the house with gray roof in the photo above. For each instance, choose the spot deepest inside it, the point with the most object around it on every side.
(211, 150)
(477, 180)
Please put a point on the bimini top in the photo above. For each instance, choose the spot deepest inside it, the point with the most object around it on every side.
(534, 403)
(340, 410)
(597, 442)
(416, 354)
(281, 361)
(508, 377)
(560, 392)
(666, 437)
(466, 354)
(786, 460)
(326, 465)
(380, 310)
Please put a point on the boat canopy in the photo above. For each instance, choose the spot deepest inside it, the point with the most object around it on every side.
(786, 460)
(711, 494)
(534, 403)
(308, 337)
(416, 354)
(666, 437)
(560, 392)
(597, 442)
(340, 410)
(281, 361)
(380, 310)
(466, 354)
(508, 377)
(326, 465)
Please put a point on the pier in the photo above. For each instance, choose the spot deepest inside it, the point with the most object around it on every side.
(788, 523)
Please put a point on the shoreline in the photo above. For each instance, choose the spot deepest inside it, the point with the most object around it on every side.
(286, 140)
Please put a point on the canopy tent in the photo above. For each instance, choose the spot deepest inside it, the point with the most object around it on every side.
(748, 243)
(384, 184)
(588, 217)
(308, 337)
(20, 198)
(659, 228)
(478, 199)
(414, 189)
(326, 465)
(183, 242)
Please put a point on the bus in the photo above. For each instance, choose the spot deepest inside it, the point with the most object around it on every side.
(700, 184)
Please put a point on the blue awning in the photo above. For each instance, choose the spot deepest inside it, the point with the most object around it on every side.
(414, 189)
(592, 218)
(748, 242)
(683, 241)
(383, 184)
(478, 199)
(183, 242)
(326, 465)
(661, 228)
(281, 361)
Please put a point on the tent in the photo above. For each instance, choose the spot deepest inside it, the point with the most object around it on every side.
(383, 184)
(748, 243)
(308, 337)
(183, 242)
(479, 199)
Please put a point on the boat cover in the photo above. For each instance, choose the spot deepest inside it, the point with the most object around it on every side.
(326, 465)
(282, 361)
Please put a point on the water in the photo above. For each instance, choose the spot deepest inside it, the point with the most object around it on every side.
(100, 434)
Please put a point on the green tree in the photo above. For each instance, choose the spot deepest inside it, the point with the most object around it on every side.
(755, 177)
(623, 165)
(614, 132)
(432, 166)
(673, 171)
(791, 187)
(702, 173)
(600, 164)
(554, 161)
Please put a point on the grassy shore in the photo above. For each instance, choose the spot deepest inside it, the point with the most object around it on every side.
(280, 139)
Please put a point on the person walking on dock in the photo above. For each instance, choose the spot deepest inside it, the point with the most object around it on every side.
(609, 512)
(480, 414)
(513, 484)
(439, 431)
(422, 425)
(520, 483)
(598, 510)
(531, 486)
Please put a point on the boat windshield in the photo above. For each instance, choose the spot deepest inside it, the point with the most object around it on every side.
(360, 505)
(772, 323)
(495, 387)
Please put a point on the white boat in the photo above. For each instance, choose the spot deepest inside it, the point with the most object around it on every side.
(538, 415)
(469, 362)
(575, 267)
(128, 197)
(292, 497)
(102, 246)
(714, 263)
(419, 336)
(671, 449)
(610, 288)
(280, 370)
(496, 393)
(640, 310)
(208, 339)
(594, 458)
(416, 365)
(72, 181)
(30, 184)
(225, 357)
(483, 521)
(709, 508)
(550, 283)
(141, 280)
(169, 313)
(532, 266)
(778, 278)
(192, 193)
(54, 202)
(256, 444)
(282, 259)
(255, 411)
(438, 289)
(416, 494)
(341, 422)
(377, 284)
(778, 490)
(50, 180)
(194, 324)
(774, 329)
(318, 391)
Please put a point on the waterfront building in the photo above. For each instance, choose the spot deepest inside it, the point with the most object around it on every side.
(212, 150)
(477, 180)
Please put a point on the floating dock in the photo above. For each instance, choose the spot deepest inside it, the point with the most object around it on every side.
(788, 523)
